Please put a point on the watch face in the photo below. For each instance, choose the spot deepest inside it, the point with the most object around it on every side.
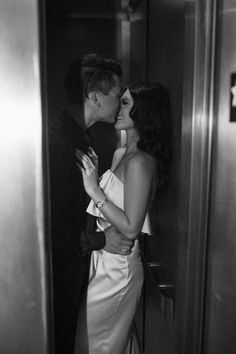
(99, 204)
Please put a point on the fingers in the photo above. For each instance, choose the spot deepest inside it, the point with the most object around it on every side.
(125, 242)
(92, 153)
(93, 156)
(125, 248)
(125, 251)
(78, 153)
(80, 167)
(84, 158)
(85, 161)
(106, 230)
(79, 157)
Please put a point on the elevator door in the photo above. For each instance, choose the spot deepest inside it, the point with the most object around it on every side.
(24, 294)
(220, 316)
(157, 54)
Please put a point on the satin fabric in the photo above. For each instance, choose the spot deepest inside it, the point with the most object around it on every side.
(115, 284)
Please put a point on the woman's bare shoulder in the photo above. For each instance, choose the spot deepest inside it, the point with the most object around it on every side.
(143, 161)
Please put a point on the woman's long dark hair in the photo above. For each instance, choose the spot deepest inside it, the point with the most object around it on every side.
(151, 113)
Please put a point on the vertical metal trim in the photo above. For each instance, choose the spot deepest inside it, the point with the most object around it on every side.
(147, 40)
(208, 69)
(199, 167)
(212, 69)
(125, 50)
(22, 240)
(46, 256)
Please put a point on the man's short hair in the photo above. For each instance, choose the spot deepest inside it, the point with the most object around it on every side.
(88, 74)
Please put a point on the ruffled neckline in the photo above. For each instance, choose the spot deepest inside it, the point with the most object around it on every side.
(118, 179)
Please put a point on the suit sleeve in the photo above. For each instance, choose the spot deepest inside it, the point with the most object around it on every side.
(91, 241)
(68, 204)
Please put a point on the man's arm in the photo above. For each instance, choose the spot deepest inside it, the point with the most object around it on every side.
(111, 240)
(116, 242)
(91, 241)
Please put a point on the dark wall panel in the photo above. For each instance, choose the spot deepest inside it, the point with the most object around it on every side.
(166, 45)
(67, 39)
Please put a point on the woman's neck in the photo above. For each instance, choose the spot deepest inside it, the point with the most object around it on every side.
(131, 142)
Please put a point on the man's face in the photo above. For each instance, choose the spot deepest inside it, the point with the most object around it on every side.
(110, 104)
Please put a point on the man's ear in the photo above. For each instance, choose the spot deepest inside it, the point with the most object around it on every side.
(95, 98)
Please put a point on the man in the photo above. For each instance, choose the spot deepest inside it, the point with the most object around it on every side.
(93, 89)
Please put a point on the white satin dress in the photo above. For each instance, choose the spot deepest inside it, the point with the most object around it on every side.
(114, 289)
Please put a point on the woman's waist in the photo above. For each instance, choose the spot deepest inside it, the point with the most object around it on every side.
(134, 255)
(102, 224)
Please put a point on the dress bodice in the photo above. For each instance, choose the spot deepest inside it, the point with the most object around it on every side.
(114, 287)
(114, 190)
(113, 187)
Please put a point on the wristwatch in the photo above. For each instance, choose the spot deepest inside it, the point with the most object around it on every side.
(100, 203)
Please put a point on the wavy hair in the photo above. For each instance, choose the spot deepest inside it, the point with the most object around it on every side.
(151, 113)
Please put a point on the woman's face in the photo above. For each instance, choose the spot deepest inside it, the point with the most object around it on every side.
(124, 122)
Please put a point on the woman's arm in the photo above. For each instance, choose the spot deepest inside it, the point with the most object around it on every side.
(138, 178)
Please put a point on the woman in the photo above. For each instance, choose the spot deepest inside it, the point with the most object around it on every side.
(122, 198)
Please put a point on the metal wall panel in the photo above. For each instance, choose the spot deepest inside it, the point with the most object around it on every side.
(221, 286)
(23, 295)
(165, 55)
(197, 129)
(166, 65)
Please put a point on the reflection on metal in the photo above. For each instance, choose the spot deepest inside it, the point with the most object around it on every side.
(23, 298)
(127, 12)
(125, 29)
(123, 16)
(133, 44)
(197, 130)
(220, 314)
(129, 6)
(153, 264)
(162, 295)
(165, 286)
(167, 309)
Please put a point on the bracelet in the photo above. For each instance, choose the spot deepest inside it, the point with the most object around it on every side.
(100, 203)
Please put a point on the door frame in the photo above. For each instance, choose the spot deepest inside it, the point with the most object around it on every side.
(195, 173)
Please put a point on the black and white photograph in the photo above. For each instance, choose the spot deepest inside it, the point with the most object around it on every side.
(117, 176)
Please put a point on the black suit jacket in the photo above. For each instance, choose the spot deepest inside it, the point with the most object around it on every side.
(68, 198)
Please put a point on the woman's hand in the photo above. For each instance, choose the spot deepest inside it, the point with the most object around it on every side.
(93, 157)
(88, 166)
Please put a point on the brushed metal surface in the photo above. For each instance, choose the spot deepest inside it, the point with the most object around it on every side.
(221, 286)
(197, 130)
(23, 309)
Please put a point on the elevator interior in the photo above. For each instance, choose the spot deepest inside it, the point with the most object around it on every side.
(148, 39)
(188, 303)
